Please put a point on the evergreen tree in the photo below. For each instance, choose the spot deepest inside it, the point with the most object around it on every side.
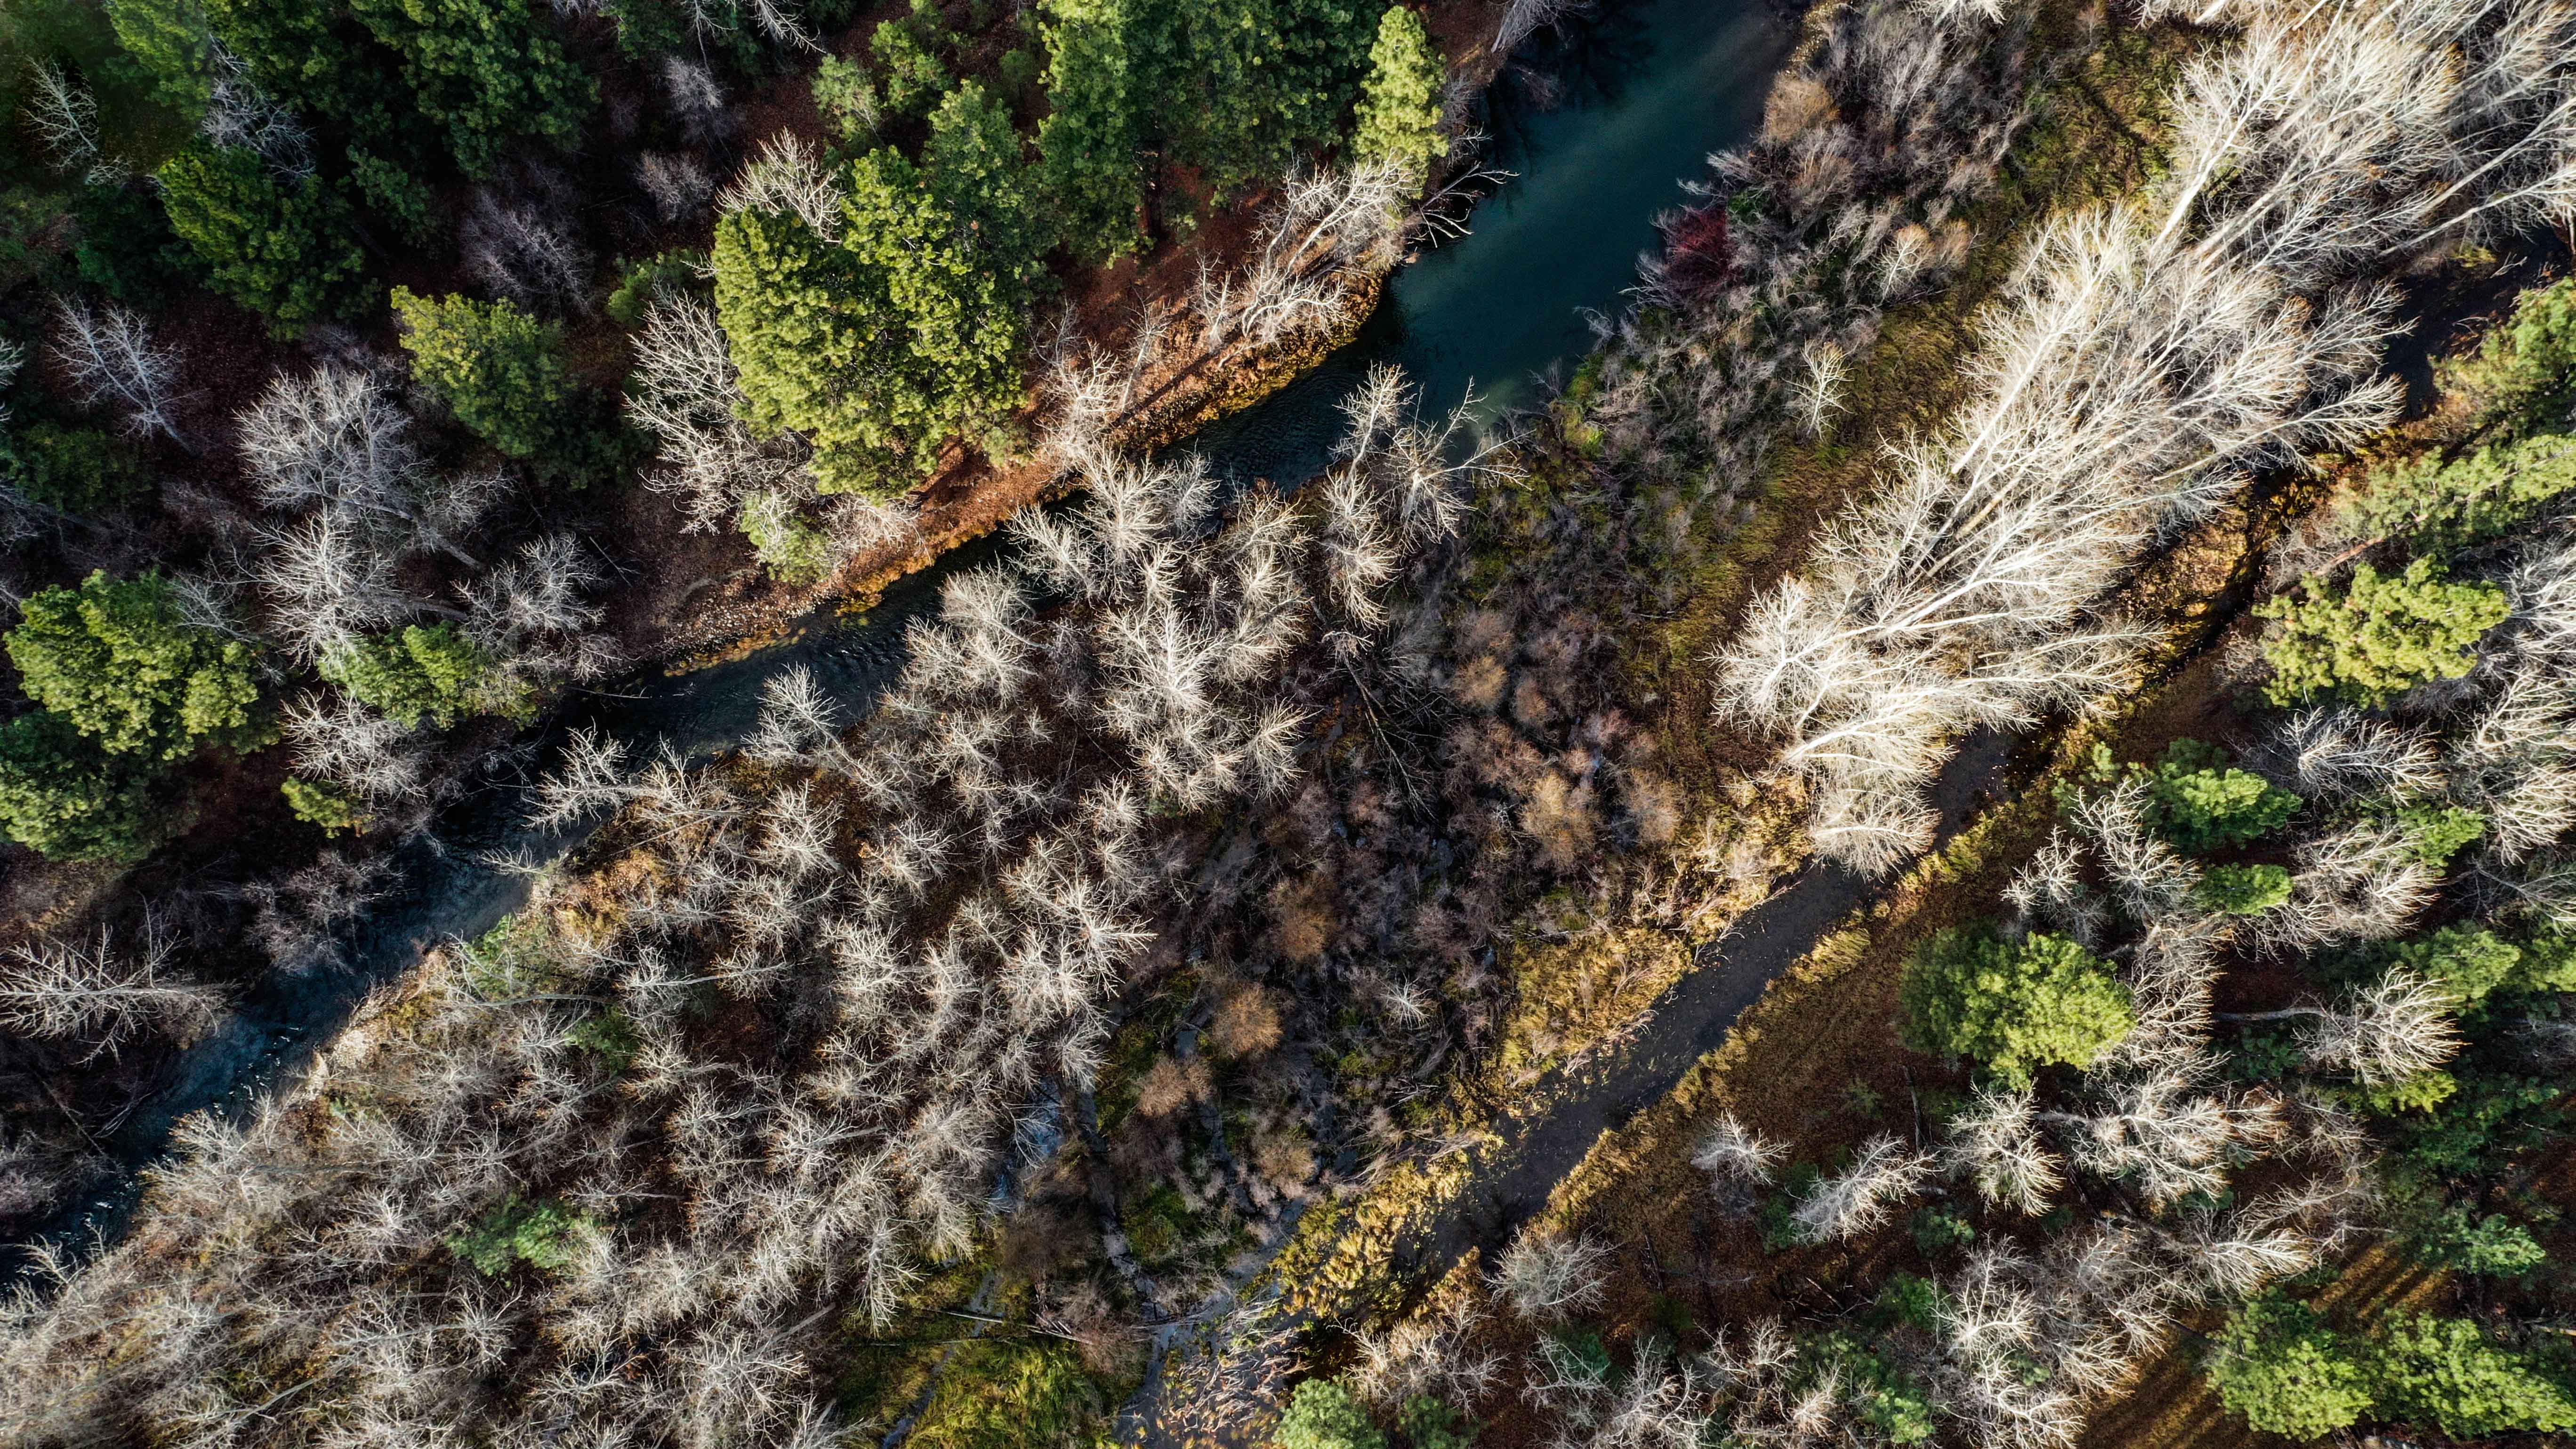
(486, 71)
(497, 368)
(431, 670)
(1399, 115)
(115, 660)
(2379, 637)
(1092, 139)
(66, 799)
(2015, 1007)
(281, 249)
(2444, 1372)
(879, 347)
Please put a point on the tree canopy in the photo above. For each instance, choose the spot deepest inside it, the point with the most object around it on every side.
(904, 331)
(2379, 636)
(281, 248)
(2280, 1367)
(497, 368)
(2014, 1006)
(1399, 113)
(116, 660)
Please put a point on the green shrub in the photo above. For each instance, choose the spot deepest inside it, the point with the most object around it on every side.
(418, 670)
(76, 470)
(2286, 1372)
(2242, 890)
(2013, 1007)
(281, 251)
(610, 1036)
(2444, 1372)
(2379, 636)
(1325, 1414)
(1430, 1424)
(2197, 802)
(2493, 1246)
(640, 282)
(326, 805)
(66, 799)
(794, 551)
(1399, 112)
(497, 368)
(1939, 1230)
(116, 660)
(543, 1235)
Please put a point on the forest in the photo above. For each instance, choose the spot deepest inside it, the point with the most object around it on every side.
(1962, 836)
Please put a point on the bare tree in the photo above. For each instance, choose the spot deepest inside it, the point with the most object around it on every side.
(2396, 1027)
(57, 988)
(1864, 1195)
(1996, 1141)
(111, 357)
(1546, 1276)
(788, 176)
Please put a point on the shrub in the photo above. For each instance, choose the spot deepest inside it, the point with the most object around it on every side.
(497, 368)
(486, 70)
(640, 282)
(2493, 1246)
(281, 251)
(2286, 1372)
(543, 1235)
(75, 470)
(793, 550)
(115, 660)
(2377, 638)
(418, 670)
(2443, 1371)
(1325, 1414)
(1399, 112)
(1430, 1424)
(2242, 890)
(326, 805)
(64, 798)
(2197, 802)
(2013, 1007)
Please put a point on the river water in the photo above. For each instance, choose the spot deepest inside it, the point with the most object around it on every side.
(1644, 93)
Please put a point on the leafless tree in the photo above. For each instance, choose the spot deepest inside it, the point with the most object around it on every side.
(1434, 1354)
(697, 101)
(684, 393)
(679, 186)
(240, 114)
(2398, 1026)
(65, 117)
(1731, 1151)
(111, 357)
(1864, 1195)
(517, 250)
(788, 176)
(94, 994)
(1996, 1141)
(1546, 1276)
(1298, 281)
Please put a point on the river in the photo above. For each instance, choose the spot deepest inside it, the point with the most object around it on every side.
(1647, 90)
